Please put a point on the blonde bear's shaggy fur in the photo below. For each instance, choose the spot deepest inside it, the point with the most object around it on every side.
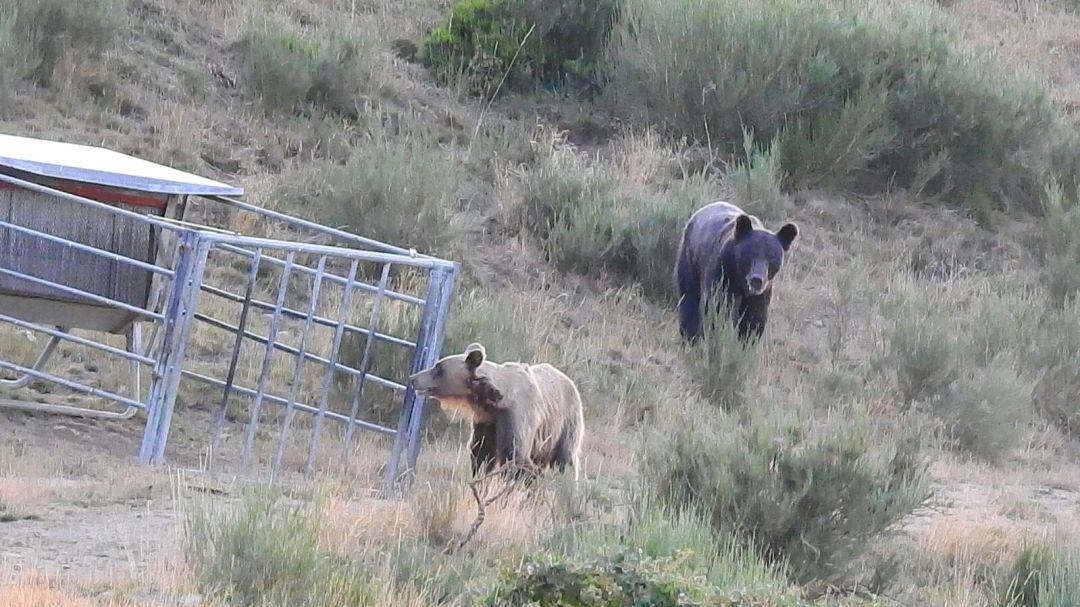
(527, 415)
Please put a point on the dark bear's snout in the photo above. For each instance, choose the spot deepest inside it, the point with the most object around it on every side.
(757, 279)
(756, 284)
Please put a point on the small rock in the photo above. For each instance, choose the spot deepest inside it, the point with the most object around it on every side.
(819, 323)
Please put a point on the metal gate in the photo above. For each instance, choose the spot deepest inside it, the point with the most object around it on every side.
(283, 346)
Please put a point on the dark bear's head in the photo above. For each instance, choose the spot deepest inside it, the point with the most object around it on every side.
(459, 381)
(758, 254)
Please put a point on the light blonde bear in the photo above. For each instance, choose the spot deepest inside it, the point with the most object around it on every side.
(527, 415)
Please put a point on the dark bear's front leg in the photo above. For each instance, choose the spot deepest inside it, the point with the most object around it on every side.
(482, 446)
(509, 455)
(689, 301)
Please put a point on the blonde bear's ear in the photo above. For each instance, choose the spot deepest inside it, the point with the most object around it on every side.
(474, 356)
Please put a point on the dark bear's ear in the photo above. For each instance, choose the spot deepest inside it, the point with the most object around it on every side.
(786, 235)
(743, 226)
(474, 356)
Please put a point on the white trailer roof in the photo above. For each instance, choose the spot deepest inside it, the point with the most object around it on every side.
(100, 166)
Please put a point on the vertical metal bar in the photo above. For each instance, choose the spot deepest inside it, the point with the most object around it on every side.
(445, 288)
(365, 366)
(238, 343)
(184, 321)
(167, 367)
(152, 345)
(412, 405)
(271, 339)
(134, 345)
(185, 251)
(301, 356)
(328, 378)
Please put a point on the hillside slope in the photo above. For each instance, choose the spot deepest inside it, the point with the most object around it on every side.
(904, 324)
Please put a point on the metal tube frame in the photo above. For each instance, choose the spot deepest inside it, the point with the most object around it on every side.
(173, 314)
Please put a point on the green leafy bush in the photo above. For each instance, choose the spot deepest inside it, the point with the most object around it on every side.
(513, 43)
(619, 582)
(811, 492)
(290, 70)
(854, 91)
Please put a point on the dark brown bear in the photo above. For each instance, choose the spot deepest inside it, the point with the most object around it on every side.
(725, 249)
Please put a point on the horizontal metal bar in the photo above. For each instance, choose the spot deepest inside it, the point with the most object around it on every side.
(343, 235)
(401, 258)
(331, 277)
(386, 383)
(281, 401)
(149, 267)
(146, 360)
(67, 383)
(66, 409)
(297, 315)
(41, 189)
(105, 301)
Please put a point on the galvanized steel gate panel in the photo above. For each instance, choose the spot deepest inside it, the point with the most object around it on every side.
(246, 318)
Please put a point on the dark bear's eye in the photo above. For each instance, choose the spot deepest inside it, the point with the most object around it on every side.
(438, 370)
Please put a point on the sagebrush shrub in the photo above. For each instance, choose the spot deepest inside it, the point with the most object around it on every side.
(36, 34)
(921, 346)
(835, 149)
(1056, 360)
(1061, 243)
(590, 218)
(723, 365)
(1006, 320)
(858, 90)
(758, 182)
(803, 490)
(983, 412)
(399, 189)
(291, 70)
(265, 551)
(494, 321)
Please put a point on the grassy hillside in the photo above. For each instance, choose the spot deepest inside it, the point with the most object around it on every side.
(905, 433)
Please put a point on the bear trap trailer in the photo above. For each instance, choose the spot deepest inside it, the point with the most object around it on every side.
(286, 333)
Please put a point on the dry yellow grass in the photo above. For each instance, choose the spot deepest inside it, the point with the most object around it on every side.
(1037, 39)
